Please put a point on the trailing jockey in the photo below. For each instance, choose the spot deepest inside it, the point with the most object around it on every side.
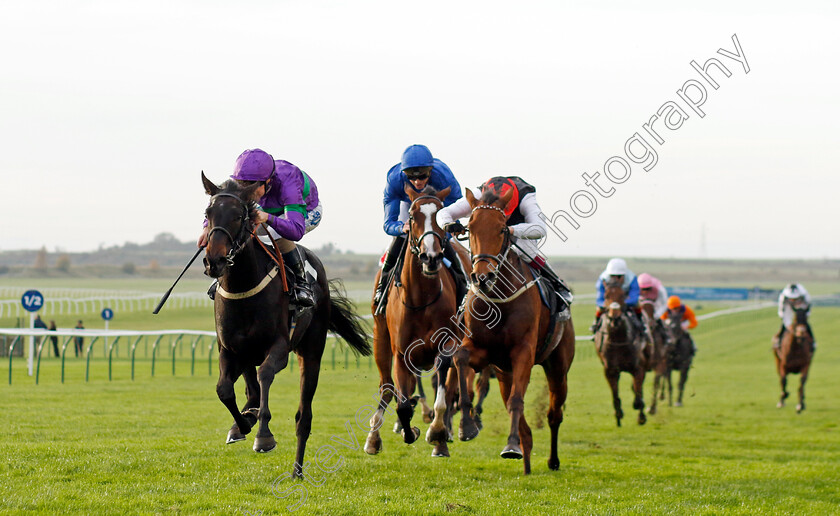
(525, 225)
(288, 203)
(652, 289)
(688, 321)
(792, 297)
(618, 272)
(418, 168)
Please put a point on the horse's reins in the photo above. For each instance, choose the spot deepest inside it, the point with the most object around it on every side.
(507, 244)
(238, 243)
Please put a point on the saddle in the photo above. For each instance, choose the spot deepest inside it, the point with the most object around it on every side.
(550, 299)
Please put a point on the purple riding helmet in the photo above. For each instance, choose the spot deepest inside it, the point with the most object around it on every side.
(253, 165)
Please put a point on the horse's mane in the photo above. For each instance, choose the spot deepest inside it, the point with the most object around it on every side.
(488, 196)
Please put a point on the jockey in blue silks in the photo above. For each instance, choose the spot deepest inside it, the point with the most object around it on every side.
(418, 169)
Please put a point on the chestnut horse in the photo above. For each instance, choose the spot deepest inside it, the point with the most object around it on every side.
(679, 354)
(507, 325)
(252, 318)
(658, 360)
(621, 350)
(793, 355)
(418, 331)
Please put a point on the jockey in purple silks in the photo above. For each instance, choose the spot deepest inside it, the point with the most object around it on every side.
(288, 205)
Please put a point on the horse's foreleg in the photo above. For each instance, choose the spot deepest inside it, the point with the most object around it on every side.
(519, 439)
(276, 359)
(656, 380)
(638, 399)
(803, 378)
(405, 405)
(783, 382)
(670, 387)
(612, 380)
(437, 434)
(482, 387)
(683, 379)
(468, 428)
(229, 372)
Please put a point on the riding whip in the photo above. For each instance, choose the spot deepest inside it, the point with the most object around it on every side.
(166, 295)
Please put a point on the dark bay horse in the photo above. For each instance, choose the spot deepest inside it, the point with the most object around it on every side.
(253, 320)
(507, 325)
(658, 358)
(679, 353)
(621, 350)
(418, 331)
(793, 355)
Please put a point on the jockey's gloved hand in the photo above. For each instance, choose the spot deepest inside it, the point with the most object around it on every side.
(455, 228)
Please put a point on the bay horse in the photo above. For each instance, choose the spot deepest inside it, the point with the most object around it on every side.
(506, 325)
(252, 316)
(793, 355)
(418, 331)
(620, 349)
(658, 358)
(679, 352)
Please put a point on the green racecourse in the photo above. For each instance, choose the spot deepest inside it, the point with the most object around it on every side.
(155, 445)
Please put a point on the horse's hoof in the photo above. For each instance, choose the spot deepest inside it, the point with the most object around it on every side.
(397, 428)
(373, 445)
(642, 418)
(618, 421)
(468, 431)
(234, 436)
(554, 464)
(441, 450)
(428, 417)
(250, 415)
(264, 444)
(678, 404)
(478, 422)
(800, 408)
(511, 452)
(436, 437)
(652, 410)
(780, 404)
(410, 438)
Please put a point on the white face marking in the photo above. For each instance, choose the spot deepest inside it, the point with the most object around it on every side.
(429, 211)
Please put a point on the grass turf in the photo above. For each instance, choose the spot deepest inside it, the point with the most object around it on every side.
(155, 445)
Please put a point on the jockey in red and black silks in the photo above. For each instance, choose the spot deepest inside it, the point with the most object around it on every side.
(523, 220)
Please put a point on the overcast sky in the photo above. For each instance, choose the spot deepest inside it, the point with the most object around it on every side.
(110, 110)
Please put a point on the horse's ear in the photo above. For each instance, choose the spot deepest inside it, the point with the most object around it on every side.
(248, 192)
(443, 194)
(412, 194)
(505, 199)
(471, 198)
(209, 186)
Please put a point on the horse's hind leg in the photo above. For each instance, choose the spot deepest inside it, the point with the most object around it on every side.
(229, 372)
(482, 388)
(310, 367)
(383, 356)
(656, 380)
(558, 388)
(276, 359)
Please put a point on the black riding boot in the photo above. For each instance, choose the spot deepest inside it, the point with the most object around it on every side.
(457, 272)
(564, 293)
(303, 294)
(394, 251)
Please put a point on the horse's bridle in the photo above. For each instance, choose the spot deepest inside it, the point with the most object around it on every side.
(506, 244)
(414, 244)
(238, 242)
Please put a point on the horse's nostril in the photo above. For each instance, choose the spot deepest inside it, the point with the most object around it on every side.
(424, 258)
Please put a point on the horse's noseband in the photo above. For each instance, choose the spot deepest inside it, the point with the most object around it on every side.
(506, 243)
(414, 244)
(238, 242)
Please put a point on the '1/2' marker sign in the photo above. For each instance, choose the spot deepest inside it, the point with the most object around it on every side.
(32, 300)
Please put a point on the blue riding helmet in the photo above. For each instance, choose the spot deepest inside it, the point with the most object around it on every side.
(416, 156)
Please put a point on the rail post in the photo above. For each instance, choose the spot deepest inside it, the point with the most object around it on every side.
(175, 345)
(111, 355)
(63, 352)
(11, 355)
(133, 350)
(192, 362)
(87, 364)
(154, 352)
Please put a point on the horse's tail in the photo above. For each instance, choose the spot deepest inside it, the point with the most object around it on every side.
(345, 321)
